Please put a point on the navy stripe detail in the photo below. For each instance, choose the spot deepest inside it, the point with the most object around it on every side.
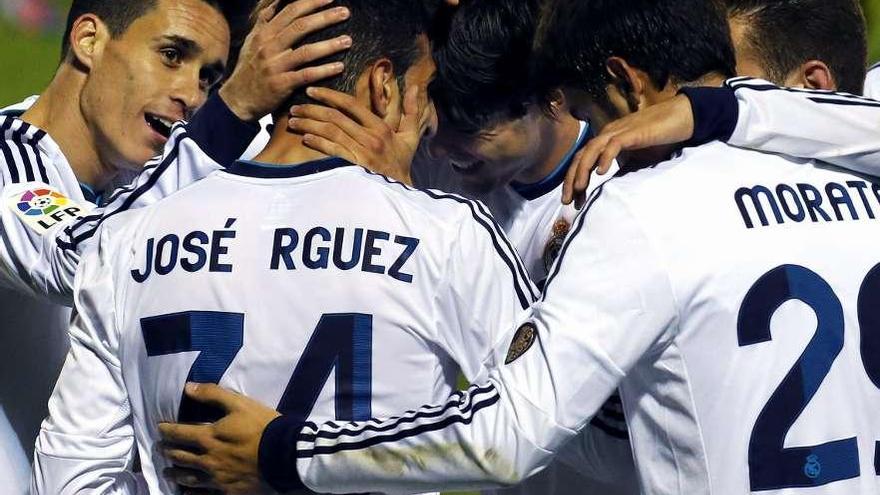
(571, 236)
(609, 430)
(131, 199)
(771, 87)
(715, 112)
(875, 66)
(519, 264)
(407, 418)
(474, 408)
(17, 137)
(11, 165)
(854, 103)
(35, 141)
(515, 267)
(268, 171)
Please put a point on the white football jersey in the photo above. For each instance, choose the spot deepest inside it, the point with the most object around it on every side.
(260, 279)
(46, 218)
(872, 83)
(731, 295)
(537, 223)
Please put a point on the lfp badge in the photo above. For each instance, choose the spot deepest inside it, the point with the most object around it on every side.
(43, 207)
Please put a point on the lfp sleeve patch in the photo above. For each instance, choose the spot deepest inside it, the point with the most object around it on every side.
(43, 207)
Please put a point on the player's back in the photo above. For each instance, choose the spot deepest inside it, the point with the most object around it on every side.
(744, 390)
(322, 290)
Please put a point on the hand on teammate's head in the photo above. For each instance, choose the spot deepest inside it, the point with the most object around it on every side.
(270, 69)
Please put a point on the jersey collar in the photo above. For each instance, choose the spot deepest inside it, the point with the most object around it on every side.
(249, 168)
(557, 176)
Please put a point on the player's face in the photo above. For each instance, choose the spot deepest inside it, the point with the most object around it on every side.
(495, 156)
(157, 72)
(420, 74)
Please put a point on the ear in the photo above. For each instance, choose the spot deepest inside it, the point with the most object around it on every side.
(627, 81)
(815, 74)
(88, 37)
(384, 92)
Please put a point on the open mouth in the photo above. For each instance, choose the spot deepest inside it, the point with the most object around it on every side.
(161, 125)
(466, 168)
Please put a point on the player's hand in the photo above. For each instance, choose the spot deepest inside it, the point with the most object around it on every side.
(220, 456)
(666, 123)
(270, 69)
(342, 127)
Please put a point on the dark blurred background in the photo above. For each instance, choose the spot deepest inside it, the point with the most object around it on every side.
(30, 31)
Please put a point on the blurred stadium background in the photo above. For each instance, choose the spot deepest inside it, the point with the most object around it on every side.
(30, 31)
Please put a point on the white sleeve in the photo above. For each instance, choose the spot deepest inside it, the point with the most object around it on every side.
(211, 141)
(872, 83)
(487, 291)
(608, 302)
(836, 128)
(30, 260)
(86, 445)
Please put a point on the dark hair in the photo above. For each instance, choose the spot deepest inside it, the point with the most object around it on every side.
(786, 33)
(677, 41)
(118, 15)
(482, 67)
(379, 29)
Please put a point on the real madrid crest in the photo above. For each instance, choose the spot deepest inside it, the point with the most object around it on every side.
(551, 251)
(523, 340)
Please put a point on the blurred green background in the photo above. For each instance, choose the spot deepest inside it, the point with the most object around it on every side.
(30, 33)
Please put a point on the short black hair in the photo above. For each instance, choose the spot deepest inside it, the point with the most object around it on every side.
(786, 33)
(379, 29)
(482, 66)
(118, 15)
(678, 41)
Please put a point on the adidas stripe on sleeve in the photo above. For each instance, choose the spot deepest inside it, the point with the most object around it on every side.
(837, 128)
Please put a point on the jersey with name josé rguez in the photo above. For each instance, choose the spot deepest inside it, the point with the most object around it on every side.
(261, 279)
(731, 295)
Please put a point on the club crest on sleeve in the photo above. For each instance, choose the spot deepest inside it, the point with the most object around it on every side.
(523, 340)
(557, 240)
(42, 207)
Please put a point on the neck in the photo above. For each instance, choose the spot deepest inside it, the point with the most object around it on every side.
(286, 147)
(558, 138)
(58, 111)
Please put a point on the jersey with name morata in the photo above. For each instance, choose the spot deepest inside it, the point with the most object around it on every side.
(261, 279)
(731, 295)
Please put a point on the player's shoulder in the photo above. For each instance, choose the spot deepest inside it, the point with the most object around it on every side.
(23, 158)
(872, 82)
(436, 205)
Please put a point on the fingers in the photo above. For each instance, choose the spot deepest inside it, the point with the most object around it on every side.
(184, 458)
(295, 10)
(186, 435)
(346, 104)
(321, 114)
(326, 130)
(329, 148)
(300, 28)
(189, 478)
(309, 75)
(214, 395)
(292, 59)
(412, 114)
(267, 13)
